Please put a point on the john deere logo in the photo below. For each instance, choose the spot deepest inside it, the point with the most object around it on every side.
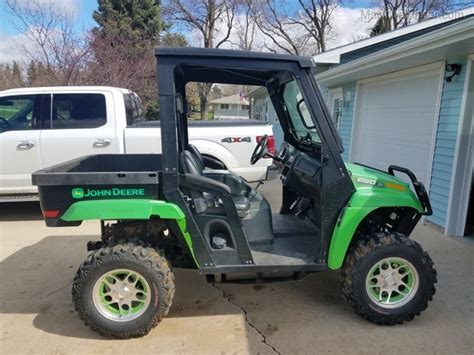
(77, 192)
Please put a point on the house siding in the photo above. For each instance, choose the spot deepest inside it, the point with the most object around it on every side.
(324, 93)
(234, 111)
(347, 118)
(445, 144)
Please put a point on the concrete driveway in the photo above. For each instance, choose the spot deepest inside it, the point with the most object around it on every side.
(308, 316)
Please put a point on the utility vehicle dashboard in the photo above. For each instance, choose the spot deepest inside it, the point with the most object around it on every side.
(300, 171)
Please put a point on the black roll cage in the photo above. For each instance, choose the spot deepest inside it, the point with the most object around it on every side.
(178, 66)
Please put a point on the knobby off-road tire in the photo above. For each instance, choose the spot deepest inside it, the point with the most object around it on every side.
(124, 290)
(380, 265)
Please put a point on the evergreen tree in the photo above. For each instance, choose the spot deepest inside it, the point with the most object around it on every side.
(123, 43)
(170, 39)
(16, 75)
(136, 19)
(3, 77)
(42, 75)
(32, 73)
(381, 26)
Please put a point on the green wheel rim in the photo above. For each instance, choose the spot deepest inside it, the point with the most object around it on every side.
(392, 282)
(121, 295)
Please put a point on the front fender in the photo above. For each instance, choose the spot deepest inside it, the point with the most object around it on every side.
(345, 228)
(363, 202)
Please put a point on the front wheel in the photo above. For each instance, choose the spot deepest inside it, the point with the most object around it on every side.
(123, 291)
(388, 279)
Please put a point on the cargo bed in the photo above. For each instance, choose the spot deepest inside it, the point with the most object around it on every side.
(106, 176)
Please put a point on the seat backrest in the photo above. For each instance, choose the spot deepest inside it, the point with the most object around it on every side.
(197, 155)
(191, 165)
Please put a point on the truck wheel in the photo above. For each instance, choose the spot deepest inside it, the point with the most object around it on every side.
(123, 291)
(388, 279)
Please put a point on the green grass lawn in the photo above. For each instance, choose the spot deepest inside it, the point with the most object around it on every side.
(197, 116)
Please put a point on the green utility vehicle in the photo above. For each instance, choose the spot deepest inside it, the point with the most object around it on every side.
(170, 210)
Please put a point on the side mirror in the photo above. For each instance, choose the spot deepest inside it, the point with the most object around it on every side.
(304, 114)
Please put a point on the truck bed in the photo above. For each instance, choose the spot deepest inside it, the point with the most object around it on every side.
(206, 123)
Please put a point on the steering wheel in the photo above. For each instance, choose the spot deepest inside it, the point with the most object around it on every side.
(260, 150)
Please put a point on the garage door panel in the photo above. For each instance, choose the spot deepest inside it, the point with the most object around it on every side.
(399, 147)
(378, 158)
(391, 90)
(394, 142)
(403, 131)
(396, 123)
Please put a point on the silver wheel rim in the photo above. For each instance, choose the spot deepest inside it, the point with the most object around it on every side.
(392, 282)
(121, 295)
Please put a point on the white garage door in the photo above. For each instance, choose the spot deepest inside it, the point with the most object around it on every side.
(395, 122)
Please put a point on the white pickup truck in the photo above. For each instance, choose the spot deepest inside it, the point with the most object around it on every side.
(41, 127)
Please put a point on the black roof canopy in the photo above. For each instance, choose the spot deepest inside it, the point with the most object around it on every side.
(230, 66)
(194, 52)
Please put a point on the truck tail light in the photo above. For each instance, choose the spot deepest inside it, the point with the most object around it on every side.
(270, 143)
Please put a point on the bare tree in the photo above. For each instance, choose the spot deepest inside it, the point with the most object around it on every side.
(276, 25)
(54, 43)
(301, 29)
(314, 17)
(401, 13)
(246, 29)
(207, 17)
(212, 20)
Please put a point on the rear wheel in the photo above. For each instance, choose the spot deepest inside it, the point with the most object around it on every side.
(123, 291)
(388, 279)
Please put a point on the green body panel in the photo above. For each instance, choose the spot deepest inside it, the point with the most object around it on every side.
(374, 189)
(128, 209)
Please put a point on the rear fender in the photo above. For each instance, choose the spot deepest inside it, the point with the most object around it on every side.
(129, 209)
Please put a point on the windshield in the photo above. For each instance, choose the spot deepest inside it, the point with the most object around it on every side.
(301, 124)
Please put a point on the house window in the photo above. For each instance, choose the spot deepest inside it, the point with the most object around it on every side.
(245, 107)
(224, 106)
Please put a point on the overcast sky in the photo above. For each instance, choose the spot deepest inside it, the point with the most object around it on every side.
(348, 25)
